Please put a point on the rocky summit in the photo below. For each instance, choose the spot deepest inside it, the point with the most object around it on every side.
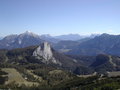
(45, 53)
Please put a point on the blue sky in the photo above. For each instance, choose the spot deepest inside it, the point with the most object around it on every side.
(58, 17)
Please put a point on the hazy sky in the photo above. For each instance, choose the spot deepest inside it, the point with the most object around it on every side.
(58, 17)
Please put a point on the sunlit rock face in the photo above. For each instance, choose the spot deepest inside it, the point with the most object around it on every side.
(44, 52)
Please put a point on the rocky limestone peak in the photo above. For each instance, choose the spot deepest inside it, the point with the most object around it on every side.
(45, 53)
(28, 33)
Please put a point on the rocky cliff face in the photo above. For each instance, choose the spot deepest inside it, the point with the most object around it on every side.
(45, 53)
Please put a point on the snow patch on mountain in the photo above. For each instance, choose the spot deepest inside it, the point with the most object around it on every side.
(19, 41)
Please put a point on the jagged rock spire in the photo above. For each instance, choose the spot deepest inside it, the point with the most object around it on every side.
(45, 53)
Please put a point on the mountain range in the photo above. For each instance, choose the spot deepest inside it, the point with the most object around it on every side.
(89, 46)
(103, 44)
(29, 39)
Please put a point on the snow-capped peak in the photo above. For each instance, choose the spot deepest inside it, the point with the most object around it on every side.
(29, 33)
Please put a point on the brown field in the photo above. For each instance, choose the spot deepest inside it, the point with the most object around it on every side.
(15, 76)
(86, 76)
(113, 74)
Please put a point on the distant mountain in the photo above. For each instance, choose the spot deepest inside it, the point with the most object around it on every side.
(20, 41)
(75, 37)
(94, 35)
(61, 43)
(65, 46)
(105, 43)
(49, 38)
(29, 39)
(69, 37)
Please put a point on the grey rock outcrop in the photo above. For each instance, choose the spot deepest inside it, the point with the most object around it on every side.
(45, 53)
